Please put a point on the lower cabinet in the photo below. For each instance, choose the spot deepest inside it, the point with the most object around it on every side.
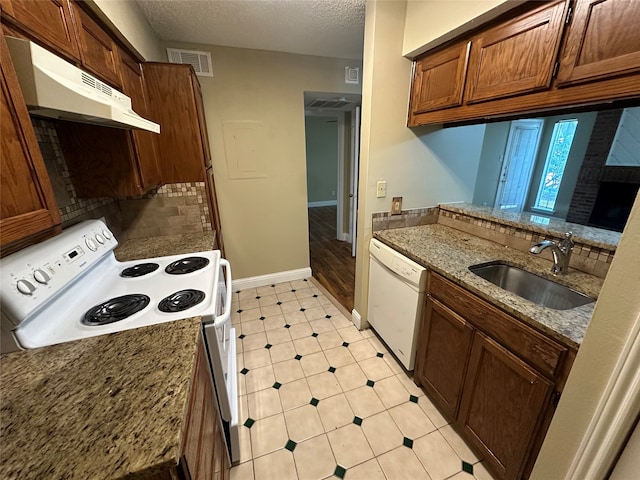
(204, 452)
(495, 378)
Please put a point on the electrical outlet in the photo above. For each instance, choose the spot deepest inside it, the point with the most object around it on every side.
(396, 206)
(381, 189)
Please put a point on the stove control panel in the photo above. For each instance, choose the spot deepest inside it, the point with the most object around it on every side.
(30, 277)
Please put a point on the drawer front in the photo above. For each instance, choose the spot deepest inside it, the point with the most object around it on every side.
(531, 345)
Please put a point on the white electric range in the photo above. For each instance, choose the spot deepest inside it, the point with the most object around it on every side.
(71, 287)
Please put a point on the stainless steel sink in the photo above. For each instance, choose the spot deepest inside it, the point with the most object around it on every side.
(534, 288)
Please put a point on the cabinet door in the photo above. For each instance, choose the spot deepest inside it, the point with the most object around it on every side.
(439, 78)
(516, 57)
(48, 21)
(502, 404)
(602, 42)
(445, 340)
(144, 142)
(27, 205)
(172, 101)
(97, 49)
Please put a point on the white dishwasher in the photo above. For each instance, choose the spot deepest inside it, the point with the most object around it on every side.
(396, 294)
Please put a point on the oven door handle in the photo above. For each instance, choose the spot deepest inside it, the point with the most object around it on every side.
(222, 320)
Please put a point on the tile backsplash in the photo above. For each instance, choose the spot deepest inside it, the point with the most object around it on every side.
(167, 210)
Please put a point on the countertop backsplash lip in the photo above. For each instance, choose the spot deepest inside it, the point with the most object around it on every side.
(450, 252)
(596, 237)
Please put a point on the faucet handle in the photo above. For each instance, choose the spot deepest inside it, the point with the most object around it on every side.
(567, 244)
(568, 235)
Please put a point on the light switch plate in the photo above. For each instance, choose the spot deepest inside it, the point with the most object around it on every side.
(396, 206)
(381, 189)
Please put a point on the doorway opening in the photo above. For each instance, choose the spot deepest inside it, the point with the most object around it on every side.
(332, 141)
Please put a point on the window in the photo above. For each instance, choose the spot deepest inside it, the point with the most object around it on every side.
(559, 148)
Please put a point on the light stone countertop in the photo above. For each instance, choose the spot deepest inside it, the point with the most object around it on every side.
(106, 407)
(140, 248)
(597, 237)
(450, 252)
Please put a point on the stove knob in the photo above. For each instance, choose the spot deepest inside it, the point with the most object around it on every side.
(100, 238)
(25, 287)
(91, 244)
(41, 276)
(107, 234)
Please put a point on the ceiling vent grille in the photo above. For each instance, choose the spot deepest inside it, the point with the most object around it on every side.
(199, 60)
(320, 103)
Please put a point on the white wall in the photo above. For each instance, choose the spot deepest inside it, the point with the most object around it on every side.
(127, 17)
(264, 219)
(423, 165)
(429, 23)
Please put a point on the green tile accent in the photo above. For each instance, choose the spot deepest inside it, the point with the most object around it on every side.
(241, 336)
(314, 334)
(278, 303)
(407, 442)
(257, 297)
(315, 296)
(293, 290)
(291, 445)
(302, 309)
(314, 401)
(345, 344)
(237, 291)
(268, 346)
(249, 422)
(327, 316)
(332, 369)
(273, 286)
(467, 467)
(277, 385)
(340, 472)
(287, 326)
(413, 398)
(370, 383)
(262, 318)
(244, 371)
(298, 357)
(239, 311)
(379, 355)
(357, 421)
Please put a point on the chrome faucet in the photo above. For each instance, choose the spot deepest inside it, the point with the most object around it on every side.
(561, 252)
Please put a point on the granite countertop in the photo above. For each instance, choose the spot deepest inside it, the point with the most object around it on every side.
(105, 407)
(597, 237)
(139, 248)
(450, 252)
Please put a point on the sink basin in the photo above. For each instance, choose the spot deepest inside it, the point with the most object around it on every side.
(534, 288)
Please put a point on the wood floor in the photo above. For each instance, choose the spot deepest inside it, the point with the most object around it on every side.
(331, 261)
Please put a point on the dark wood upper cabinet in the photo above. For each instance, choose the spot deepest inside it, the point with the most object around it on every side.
(144, 142)
(439, 79)
(48, 21)
(602, 42)
(98, 50)
(516, 57)
(176, 104)
(27, 202)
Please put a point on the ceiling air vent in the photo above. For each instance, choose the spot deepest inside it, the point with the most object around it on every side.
(320, 103)
(200, 61)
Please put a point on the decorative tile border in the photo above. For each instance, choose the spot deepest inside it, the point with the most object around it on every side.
(408, 218)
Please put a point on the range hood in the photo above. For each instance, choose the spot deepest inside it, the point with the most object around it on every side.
(54, 88)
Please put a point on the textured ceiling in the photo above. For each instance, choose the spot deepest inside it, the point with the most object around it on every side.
(329, 28)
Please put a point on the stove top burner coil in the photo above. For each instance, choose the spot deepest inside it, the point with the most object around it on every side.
(182, 300)
(139, 270)
(186, 265)
(115, 309)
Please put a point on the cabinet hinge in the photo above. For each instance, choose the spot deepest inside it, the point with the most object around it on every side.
(555, 398)
(555, 69)
(569, 15)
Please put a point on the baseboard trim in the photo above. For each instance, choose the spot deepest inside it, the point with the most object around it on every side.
(358, 321)
(271, 278)
(322, 203)
(345, 237)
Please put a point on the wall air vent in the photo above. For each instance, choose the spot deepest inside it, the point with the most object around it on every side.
(199, 60)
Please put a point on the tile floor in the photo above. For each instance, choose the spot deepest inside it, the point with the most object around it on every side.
(320, 399)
